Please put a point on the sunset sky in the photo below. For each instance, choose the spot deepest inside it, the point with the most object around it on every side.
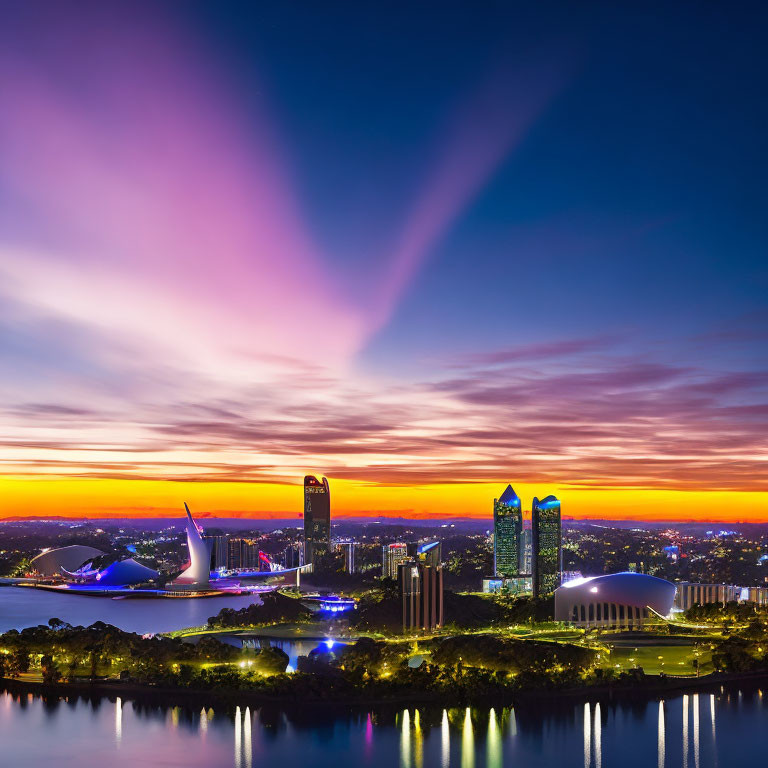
(424, 254)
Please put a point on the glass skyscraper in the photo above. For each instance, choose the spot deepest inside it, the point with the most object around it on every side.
(547, 555)
(317, 518)
(507, 534)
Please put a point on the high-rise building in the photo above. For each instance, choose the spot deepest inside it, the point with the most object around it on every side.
(347, 547)
(391, 556)
(507, 534)
(294, 556)
(426, 552)
(244, 554)
(526, 564)
(546, 539)
(421, 594)
(219, 551)
(317, 518)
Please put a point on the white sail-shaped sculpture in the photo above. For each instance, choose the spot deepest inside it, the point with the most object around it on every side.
(199, 556)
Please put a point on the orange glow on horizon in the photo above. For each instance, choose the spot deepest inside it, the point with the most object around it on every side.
(103, 498)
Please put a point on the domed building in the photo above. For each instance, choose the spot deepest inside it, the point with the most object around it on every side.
(107, 571)
(617, 600)
(53, 562)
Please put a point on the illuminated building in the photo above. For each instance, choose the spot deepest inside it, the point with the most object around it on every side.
(620, 600)
(426, 552)
(294, 556)
(421, 593)
(317, 518)
(219, 551)
(690, 594)
(347, 547)
(106, 571)
(52, 562)
(243, 554)
(547, 550)
(199, 570)
(391, 557)
(507, 530)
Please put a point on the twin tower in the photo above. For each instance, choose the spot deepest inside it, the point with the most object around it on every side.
(546, 541)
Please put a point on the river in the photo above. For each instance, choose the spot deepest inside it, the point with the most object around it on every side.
(27, 607)
(702, 730)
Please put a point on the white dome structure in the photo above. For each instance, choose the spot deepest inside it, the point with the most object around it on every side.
(617, 600)
(52, 562)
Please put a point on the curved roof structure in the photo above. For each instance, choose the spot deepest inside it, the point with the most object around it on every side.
(630, 590)
(120, 573)
(54, 561)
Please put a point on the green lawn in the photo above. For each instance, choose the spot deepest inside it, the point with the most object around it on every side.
(670, 659)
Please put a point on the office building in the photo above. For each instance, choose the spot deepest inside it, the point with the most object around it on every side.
(347, 547)
(547, 549)
(219, 551)
(245, 555)
(293, 556)
(507, 534)
(426, 552)
(690, 594)
(391, 557)
(317, 518)
(421, 594)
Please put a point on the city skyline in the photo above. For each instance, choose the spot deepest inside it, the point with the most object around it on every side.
(522, 247)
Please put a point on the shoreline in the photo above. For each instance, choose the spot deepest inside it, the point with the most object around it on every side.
(653, 688)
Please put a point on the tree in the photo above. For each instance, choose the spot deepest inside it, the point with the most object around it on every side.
(49, 669)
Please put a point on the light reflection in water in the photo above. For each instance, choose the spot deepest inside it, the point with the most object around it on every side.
(368, 735)
(247, 739)
(712, 714)
(662, 735)
(418, 741)
(598, 743)
(696, 729)
(467, 742)
(512, 723)
(118, 721)
(493, 759)
(445, 735)
(238, 739)
(405, 740)
(203, 723)
(685, 731)
(587, 736)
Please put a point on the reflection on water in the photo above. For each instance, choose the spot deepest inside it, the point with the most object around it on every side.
(405, 740)
(467, 742)
(493, 748)
(632, 734)
(445, 741)
(662, 735)
(118, 722)
(587, 737)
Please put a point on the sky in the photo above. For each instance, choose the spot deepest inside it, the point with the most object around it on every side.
(423, 251)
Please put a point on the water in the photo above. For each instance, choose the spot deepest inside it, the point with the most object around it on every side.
(701, 730)
(24, 607)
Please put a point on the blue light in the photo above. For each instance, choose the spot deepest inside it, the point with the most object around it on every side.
(329, 644)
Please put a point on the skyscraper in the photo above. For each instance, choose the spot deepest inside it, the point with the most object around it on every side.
(426, 552)
(421, 594)
(347, 547)
(219, 546)
(547, 555)
(507, 534)
(317, 518)
(391, 556)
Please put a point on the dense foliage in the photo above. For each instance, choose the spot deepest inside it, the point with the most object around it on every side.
(275, 608)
